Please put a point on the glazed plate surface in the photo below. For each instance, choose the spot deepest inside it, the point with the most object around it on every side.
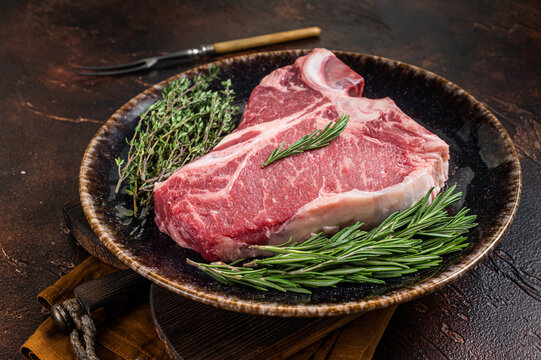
(484, 166)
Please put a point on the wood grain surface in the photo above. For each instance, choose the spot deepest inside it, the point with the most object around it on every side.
(491, 49)
(234, 335)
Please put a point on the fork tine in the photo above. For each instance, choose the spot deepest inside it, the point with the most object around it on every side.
(114, 72)
(112, 67)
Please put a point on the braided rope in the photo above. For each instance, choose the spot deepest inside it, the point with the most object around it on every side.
(84, 327)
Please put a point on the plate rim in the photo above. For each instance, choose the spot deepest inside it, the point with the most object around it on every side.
(403, 294)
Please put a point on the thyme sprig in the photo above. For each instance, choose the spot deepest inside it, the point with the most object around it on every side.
(189, 120)
(315, 140)
(404, 243)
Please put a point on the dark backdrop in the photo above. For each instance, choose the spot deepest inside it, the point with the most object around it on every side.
(491, 49)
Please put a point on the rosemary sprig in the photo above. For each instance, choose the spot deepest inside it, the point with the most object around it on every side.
(189, 120)
(315, 140)
(404, 243)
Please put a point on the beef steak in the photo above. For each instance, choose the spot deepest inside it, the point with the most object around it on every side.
(382, 162)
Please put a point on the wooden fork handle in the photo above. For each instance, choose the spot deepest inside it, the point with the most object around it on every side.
(263, 40)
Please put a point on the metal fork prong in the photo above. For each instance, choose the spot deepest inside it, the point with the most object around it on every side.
(125, 69)
(111, 67)
(114, 72)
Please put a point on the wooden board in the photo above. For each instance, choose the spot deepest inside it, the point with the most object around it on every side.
(76, 223)
(194, 331)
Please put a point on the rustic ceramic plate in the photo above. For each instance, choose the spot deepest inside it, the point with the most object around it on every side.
(484, 166)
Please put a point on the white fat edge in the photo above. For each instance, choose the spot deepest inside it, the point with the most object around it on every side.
(333, 211)
(228, 249)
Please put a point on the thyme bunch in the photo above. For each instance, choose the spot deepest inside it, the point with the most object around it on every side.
(189, 120)
(404, 243)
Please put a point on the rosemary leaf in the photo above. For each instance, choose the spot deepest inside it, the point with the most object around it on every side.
(404, 243)
(316, 140)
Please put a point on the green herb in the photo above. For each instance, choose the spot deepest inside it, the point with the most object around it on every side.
(315, 140)
(189, 120)
(404, 243)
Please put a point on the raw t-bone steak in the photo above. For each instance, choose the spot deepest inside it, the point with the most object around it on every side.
(382, 162)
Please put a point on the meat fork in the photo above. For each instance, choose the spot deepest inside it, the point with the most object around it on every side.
(198, 52)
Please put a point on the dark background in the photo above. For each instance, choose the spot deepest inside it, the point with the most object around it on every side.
(491, 49)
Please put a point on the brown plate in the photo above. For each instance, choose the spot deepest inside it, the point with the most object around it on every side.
(484, 166)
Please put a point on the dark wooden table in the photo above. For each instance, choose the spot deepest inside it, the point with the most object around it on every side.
(491, 49)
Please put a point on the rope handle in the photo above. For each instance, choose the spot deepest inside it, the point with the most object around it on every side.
(70, 316)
